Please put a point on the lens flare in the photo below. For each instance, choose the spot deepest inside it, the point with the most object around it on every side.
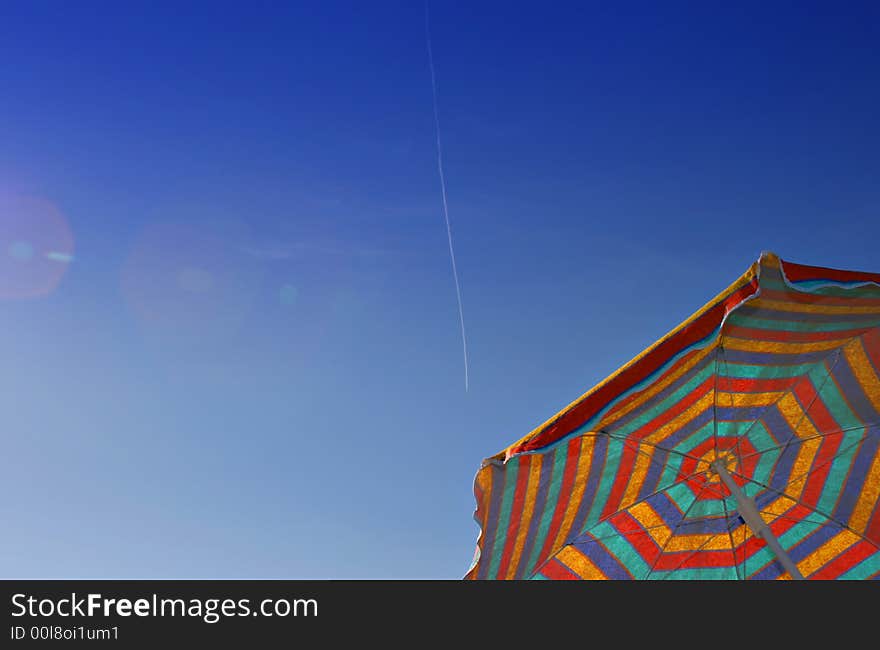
(189, 283)
(34, 238)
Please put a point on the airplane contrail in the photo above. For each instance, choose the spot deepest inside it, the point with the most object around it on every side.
(443, 193)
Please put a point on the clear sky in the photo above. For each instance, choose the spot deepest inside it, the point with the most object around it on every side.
(230, 336)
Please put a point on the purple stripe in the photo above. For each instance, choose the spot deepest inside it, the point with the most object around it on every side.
(858, 473)
(770, 359)
(686, 431)
(655, 470)
(751, 311)
(662, 395)
(854, 392)
(776, 425)
(602, 558)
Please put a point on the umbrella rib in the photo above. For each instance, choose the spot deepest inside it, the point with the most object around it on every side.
(776, 515)
(813, 508)
(794, 435)
(678, 481)
(803, 377)
(830, 459)
(618, 533)
(639, 443)
(869, 425)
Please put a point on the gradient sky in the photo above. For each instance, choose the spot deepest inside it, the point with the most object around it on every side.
(231, 344)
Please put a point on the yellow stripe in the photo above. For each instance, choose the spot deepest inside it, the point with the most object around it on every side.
(637, 478)
(680, 420)
(484, 480)
(743, 400)
(580, 564)
(580, 484)
(703, 542)
(793, 413)
(868, 498)
(653, 523)
(778, 347)
(827, 552)
(775, 509)
(528, 508)
(784, 305)
(864, 371)
(802, 464)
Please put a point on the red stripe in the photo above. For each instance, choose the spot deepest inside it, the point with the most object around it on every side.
(629, 527)
(757, 334)
(871, 343)
(844, 562)
(682, 405)
(621, 479)
(822, 419)
(696, 331)
(519, 497)
(802, 273)
(555, 570)
(757, 385)
(872, 531)
(818, 299)
(817, 477)
(571, 463)
(621, 404)
(692, 560)
(782, 525)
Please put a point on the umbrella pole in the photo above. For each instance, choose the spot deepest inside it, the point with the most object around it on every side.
(749, 512)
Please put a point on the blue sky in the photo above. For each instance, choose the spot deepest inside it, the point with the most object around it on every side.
(244, 360)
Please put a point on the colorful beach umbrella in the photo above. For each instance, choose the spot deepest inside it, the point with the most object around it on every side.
(745, 444)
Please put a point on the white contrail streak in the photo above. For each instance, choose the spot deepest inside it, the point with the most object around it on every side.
(443, 192)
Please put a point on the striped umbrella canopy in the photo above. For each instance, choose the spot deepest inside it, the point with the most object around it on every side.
(745, 444)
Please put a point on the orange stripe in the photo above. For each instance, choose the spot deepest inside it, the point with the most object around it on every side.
(531, 496)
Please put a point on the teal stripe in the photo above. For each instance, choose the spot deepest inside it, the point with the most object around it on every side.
(831, 397)
(620, 547)
(759, 437)
(840, 468)
(701, 573)
(671, 400)
(746, 320)
(609, 472)
(671, 472)
(510, 472)
(758, 371)
(840, 289)
(757, 561)
(764, 469)
(681, 495)
(698, 437)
